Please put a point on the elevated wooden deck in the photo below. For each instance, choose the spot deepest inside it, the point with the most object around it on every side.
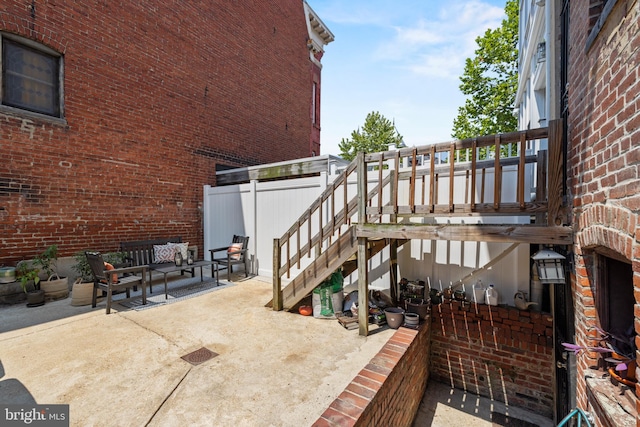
(378, 195)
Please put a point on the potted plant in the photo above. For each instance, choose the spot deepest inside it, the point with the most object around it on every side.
(54, 286)
(30, 283)
(618, 353)
(82, 290)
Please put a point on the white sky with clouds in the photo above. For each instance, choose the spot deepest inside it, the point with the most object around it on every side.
(402, 58)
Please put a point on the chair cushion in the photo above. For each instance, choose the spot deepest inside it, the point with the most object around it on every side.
(183, 248)
(163, 253)
(114, 277)
(235, 247)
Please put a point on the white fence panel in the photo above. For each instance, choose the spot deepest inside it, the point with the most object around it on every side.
(279, 205)
(226, 211)
(265, 211)
(262, 211)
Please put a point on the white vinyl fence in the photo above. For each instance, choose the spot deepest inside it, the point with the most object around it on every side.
(261, 210)
(266, 210)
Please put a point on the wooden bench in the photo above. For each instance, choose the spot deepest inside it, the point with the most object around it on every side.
(140, 252)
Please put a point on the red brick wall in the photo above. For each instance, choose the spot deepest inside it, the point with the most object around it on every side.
(314, 142)
(388, 391)
(604, 155)
(156, 94)
(499, 352)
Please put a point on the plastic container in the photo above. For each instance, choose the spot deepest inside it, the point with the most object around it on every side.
(411, 320)
(479, 292)
(491, 296)
(536, 294)
(7, 274)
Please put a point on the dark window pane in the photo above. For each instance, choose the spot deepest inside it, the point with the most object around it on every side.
(30, 79)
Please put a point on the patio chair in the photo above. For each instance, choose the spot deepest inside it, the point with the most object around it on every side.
(109, 281)
(236, 253)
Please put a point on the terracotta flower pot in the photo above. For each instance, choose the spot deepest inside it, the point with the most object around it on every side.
(394, 316)
(621, 377)
(305, 310)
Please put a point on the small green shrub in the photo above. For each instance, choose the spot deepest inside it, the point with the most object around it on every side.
(26, 274)
(48, 260)
(82, 266)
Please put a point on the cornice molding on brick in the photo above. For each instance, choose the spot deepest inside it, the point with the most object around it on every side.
(319, 34)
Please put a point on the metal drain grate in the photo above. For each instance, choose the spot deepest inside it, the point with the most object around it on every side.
(199, 356)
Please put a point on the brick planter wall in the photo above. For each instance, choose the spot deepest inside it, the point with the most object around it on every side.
(388, 391)
(499, 352)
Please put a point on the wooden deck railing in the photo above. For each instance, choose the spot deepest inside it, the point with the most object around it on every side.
(397, 185)
(466, 181)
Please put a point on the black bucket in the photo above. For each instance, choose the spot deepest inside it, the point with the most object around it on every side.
(419, 306)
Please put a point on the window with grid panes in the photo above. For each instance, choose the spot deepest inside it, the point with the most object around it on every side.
(30, 77)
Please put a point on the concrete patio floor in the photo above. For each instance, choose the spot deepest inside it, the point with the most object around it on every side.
(272, 368)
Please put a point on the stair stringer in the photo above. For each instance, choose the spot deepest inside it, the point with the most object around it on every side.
(322, 267)
(341, 252)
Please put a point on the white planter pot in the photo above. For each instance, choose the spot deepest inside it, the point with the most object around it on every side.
(55, 289)
(81, 293)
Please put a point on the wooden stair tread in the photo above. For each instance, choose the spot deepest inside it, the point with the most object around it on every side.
(341, 253)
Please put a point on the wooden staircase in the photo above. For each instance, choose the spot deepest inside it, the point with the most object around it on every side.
(320, 269)
(341, 254)
(369, 204)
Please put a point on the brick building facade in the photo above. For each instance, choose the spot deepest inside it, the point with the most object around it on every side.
(144, 103)
(603, 179)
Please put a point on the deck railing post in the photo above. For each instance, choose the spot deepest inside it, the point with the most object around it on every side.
(277, 283)
(474, 157)
(555, 173)
(497, 182)
(541, 184)
(521, 165)
(452, 175)
(363, 279)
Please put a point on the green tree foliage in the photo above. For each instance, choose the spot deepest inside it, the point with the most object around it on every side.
(376, 135)
(490, 81)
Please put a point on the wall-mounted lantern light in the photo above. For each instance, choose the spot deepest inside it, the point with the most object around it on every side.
(550, 266)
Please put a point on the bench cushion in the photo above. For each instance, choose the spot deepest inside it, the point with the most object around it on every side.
(182, 247)
(163, 253)
(235, 251)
